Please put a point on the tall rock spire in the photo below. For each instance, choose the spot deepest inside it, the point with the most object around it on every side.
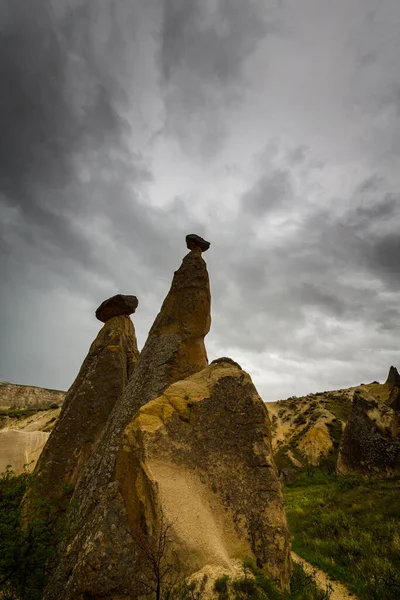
(174, 350)
(102, 378)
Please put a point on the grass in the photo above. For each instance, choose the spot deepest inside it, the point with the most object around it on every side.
(18, 413)
(338, 405)
(22, 413)
(350, 529)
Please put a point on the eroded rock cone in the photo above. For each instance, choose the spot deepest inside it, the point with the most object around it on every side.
(116, 306)
(370, 443)
(87, 405)
(202, 454)
(101, 543)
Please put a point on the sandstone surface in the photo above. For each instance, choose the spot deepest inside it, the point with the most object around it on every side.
(175, 349)
(117, 306)
(201, 454)
(20, 449)
(88, 403)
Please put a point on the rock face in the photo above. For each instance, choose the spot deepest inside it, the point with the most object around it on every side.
(203, 450)
(182, 432)
(370, 443)
(88, 403)
(116, 306)
(20, 448)
(28, 396)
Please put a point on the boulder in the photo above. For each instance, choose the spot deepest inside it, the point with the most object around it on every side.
(116, 306)
(103, 376)
(196, 243)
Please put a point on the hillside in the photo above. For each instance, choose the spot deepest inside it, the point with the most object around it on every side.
(27, 415)
(307, 430)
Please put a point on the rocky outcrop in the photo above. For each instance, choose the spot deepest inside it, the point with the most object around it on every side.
(101, 540)
(370, 443)
(87, 406)
(393, 379)
(17, 396)
(200, 454)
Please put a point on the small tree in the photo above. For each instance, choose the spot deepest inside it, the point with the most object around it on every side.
(160, 572)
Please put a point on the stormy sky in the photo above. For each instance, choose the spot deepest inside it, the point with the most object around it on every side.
(272, 128)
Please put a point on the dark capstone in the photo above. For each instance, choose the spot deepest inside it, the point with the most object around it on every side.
(195, 241)
(116, 306)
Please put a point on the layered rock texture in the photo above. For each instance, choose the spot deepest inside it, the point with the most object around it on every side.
(102, 378)
(20, 449)
(27, 415)
(371, 441)
(14, 396)
(185, 442)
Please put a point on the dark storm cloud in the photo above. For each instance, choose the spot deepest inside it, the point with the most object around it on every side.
(273, 190)
(325, 269)
(44, 126)
(125, 125)
(204, 48)
(210, 40)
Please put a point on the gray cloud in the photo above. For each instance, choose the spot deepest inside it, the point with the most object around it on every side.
(270, 129)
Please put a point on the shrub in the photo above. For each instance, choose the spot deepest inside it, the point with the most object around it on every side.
(29, 534)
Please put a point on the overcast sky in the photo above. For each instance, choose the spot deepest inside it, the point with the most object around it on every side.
(271, 128)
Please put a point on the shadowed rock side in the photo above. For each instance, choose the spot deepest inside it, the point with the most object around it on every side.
(201, 456)
(393, 378)
(88, 403)
(370, 443)
(175, 349)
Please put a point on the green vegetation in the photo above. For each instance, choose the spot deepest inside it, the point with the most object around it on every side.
(29, 534)
(22, 413)
(350, 528)
(256, 586)
(338, 405)
(18, 413)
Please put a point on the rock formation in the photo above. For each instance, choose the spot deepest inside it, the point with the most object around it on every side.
(393, 379)
(88, 403)
(202, 452)
(183, 436)
(370, 443)
(13, 395)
